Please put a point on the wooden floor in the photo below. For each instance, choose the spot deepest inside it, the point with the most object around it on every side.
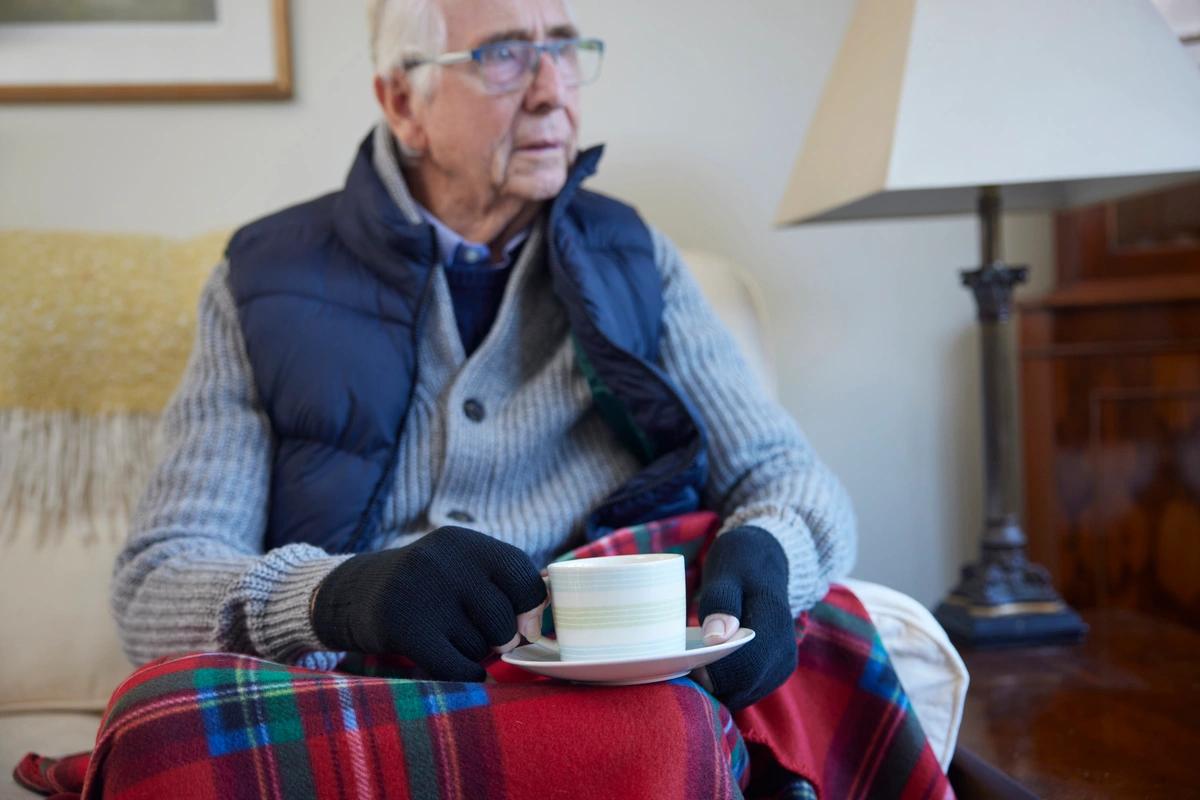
(1116, 716)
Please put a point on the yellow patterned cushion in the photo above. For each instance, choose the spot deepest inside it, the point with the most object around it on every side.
(95, 322)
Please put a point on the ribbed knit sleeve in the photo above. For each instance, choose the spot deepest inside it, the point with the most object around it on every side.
(762, 470)
(193, 574)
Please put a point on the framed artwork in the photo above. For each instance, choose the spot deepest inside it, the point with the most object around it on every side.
(85, 50)
(1184, 18)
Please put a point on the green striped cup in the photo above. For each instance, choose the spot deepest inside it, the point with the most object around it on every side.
(619, 607)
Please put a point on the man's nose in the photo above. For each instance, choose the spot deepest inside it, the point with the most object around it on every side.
(548, 89)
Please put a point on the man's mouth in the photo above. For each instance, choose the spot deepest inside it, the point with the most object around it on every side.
(540, 146)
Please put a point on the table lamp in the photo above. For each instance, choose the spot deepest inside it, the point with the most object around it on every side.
(952, 106)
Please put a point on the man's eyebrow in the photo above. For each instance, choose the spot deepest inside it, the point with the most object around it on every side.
(522, 35)
(563, 32)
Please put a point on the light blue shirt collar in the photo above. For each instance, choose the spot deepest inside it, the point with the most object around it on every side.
(459, 252)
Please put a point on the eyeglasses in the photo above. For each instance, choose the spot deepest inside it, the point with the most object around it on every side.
(509, 66)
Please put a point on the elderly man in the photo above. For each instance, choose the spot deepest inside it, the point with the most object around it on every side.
(407, 396)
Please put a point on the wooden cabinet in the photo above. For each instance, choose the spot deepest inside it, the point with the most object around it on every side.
(1110, 401)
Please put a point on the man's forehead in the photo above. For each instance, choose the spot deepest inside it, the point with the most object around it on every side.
(470, 23)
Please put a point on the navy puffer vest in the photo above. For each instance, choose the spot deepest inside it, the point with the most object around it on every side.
(329, 297)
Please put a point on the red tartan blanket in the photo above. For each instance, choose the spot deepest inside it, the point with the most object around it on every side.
(230, 726)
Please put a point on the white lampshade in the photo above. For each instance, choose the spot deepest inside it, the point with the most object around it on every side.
(1059, 102)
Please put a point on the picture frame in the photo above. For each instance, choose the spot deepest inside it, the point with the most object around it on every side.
(144, 50)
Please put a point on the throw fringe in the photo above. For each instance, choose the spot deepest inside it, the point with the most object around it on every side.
(64, 473)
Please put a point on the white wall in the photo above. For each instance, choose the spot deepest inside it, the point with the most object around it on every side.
(703, 105)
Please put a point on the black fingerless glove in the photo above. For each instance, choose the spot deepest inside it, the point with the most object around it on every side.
(443, 601)
(746, 575)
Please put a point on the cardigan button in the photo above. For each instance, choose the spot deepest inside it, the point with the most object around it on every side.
(474, 410)
(460, 516)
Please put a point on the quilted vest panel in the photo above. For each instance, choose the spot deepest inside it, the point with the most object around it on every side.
(329, 297)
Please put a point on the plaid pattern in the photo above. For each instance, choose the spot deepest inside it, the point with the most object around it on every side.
(230, 726)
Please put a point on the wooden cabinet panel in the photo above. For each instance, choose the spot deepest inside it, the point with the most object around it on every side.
(1146, 449)
(1149, 235)
(1112, 445)
(1110, 396)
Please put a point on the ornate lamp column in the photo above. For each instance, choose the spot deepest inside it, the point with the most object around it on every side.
(1002, 599)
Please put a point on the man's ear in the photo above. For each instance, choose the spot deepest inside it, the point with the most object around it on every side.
(396, 98)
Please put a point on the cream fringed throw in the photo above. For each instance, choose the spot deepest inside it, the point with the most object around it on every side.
(95, 332)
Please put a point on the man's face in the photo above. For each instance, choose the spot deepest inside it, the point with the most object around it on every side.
(517, 145)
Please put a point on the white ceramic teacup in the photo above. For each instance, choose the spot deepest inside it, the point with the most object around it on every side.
(612, 607)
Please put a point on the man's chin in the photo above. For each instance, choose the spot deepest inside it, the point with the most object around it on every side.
(538, 186)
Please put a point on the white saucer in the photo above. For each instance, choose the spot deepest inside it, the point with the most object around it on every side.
(542, 658)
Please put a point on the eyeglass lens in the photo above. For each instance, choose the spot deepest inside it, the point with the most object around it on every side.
(508, 65)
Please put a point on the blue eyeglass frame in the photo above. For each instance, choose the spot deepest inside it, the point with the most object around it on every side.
(552, 47)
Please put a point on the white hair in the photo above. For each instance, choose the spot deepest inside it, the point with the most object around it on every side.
(403, 29)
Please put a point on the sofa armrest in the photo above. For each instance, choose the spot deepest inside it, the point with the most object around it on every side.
(929, 667)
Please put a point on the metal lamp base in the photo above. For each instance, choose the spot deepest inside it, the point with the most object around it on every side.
(1006, 601)
(1013, 629)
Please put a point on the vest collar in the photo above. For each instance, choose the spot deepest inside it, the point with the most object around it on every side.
(586, 163)
(385, 156)
(377, 231)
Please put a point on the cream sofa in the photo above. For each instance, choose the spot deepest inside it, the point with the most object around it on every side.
(94, 333)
